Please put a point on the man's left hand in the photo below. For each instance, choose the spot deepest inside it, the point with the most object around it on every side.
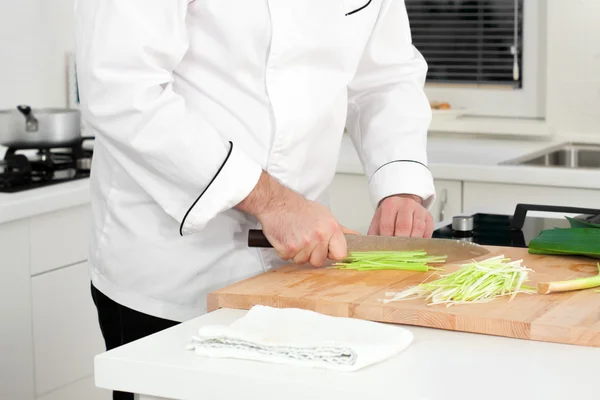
(402, 215)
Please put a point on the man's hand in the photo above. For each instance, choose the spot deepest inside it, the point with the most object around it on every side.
(299, 229)
(402, 215)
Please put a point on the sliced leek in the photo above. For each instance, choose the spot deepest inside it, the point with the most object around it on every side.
(390, 260)
(570, 285)
(476, 282)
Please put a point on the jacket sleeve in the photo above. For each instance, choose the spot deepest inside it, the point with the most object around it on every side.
(388, 111)
(126, 53)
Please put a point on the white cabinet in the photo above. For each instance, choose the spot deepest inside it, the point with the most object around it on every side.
(448, 200)
(65, 328)
(59, 238)
(49, 327)
(349, 201)
(503, 198)
(16, 353)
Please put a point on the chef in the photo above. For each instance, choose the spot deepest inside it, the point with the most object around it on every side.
(213, 117)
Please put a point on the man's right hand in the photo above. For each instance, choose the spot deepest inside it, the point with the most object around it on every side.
(300, 230)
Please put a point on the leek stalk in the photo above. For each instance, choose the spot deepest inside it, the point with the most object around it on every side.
(570, 285)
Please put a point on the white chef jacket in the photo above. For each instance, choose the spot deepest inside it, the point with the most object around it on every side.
(190, 100)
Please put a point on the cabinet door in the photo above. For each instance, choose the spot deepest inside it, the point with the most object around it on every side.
(65, 328)
(16, 352)
(503, 198)
(59, 238)
(448, 200)
(349, 201)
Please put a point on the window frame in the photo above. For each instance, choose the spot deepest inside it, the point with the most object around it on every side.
(528, 101)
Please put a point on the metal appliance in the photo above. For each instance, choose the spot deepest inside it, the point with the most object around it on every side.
(515, 230)
(29, 167)
(24, 127)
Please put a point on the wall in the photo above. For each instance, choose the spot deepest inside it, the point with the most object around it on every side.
(34, 37)
(36, 34)
(573, 102)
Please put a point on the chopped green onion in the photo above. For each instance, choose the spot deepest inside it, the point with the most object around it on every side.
(476, 282)
(390, 260)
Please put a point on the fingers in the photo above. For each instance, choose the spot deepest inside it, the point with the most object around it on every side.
(422, 225)
(319, 254)
(374, 227)
(315, 250)
(349, 231)
(338, 248)
(308, 245)
(304, 231)
(428, 226)
(387, 222)
(401, 216)
(405, 222)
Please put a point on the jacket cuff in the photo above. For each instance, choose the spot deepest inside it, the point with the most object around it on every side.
(402, 177)
(232, 183)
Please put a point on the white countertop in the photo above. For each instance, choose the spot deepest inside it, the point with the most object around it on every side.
(439, 365)
(451, 156)
(51, 198)
(469, 158)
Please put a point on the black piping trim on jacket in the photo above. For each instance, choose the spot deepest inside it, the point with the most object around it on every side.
(205, 189)
(395, 161)
(358, 9)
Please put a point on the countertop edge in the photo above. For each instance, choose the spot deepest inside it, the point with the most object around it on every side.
(31, 203)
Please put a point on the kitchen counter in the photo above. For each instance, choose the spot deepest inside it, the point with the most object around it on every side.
(470, 158)
(438, 365)
(51, 198)
(451, 156)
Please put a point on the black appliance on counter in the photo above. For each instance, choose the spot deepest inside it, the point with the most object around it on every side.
(31, 167)
(515, 230)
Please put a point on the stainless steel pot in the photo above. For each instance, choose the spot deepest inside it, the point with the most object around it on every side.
(25, 127)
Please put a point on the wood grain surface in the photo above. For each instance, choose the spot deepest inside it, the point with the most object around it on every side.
(570, 318)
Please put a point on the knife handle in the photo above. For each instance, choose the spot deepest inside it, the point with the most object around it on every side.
(256, 238)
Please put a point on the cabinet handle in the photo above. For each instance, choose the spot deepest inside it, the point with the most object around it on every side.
(443, 202)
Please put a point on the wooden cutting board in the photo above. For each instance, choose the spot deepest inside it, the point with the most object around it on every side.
(571, 318)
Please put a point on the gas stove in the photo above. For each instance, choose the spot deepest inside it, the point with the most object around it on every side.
(515, 230)
(25, 168)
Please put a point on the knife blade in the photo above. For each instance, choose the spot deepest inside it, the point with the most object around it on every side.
(454, 250)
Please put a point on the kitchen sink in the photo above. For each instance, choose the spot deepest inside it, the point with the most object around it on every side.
(565, 155)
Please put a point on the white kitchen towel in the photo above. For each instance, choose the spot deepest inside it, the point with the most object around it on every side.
(301, 337)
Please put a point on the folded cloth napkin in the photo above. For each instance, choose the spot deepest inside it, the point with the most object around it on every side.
(301, 337)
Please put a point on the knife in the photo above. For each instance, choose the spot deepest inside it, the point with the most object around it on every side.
(454, 250)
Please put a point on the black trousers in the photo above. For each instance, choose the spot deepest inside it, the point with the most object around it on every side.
(121, 325)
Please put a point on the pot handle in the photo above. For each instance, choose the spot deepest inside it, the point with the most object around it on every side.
(31, 123)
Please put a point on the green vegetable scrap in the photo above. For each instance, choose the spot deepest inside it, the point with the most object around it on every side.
(577, 223)
(390, 260)
(476, 282)
(568, 241)
(569, 285)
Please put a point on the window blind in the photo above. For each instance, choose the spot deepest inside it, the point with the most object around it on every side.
(469, 41)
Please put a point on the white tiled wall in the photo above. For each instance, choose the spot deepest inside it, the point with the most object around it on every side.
(573, 102)
(35, 34)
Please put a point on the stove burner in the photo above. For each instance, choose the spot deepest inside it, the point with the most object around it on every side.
(515, 230)
(48, 166)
